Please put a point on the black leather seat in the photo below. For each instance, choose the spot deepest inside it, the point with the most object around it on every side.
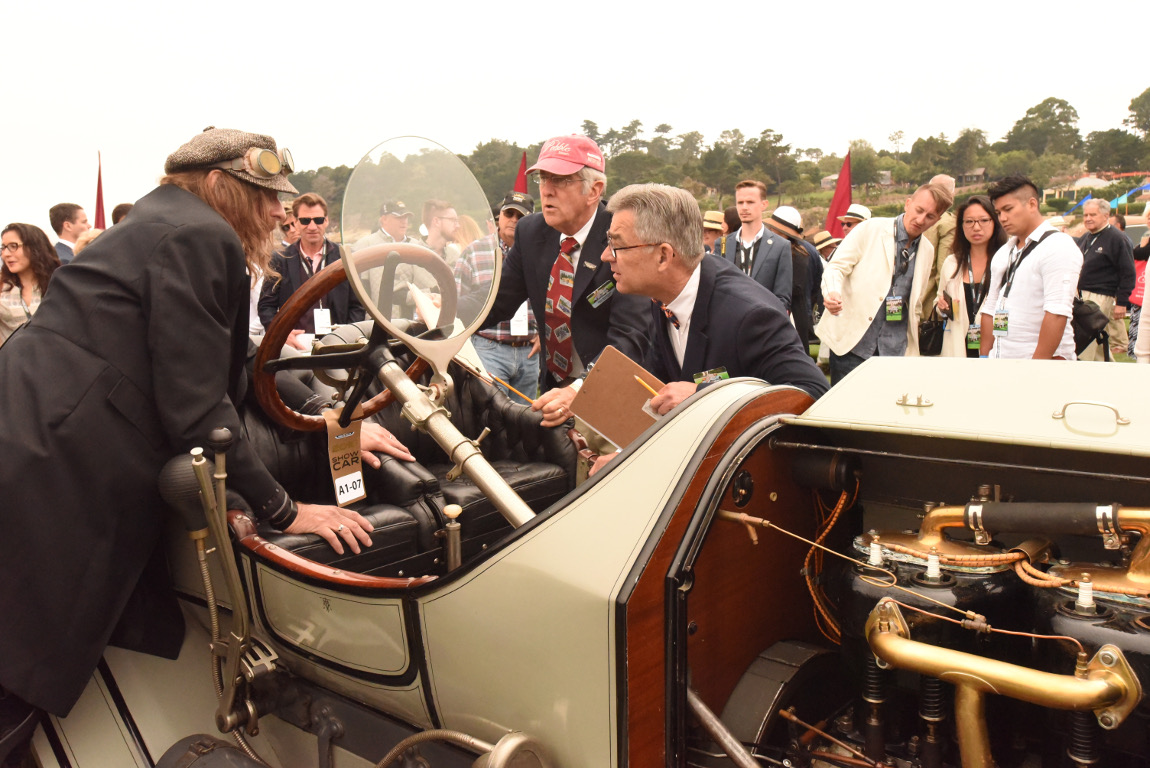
(406, 499)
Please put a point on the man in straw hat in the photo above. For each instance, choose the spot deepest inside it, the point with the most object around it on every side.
(855, 214)
(134, 356)
(714, 227)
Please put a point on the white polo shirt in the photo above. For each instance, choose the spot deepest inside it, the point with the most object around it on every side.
(1045, 281)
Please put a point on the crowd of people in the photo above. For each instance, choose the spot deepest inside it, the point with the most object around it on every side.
(139, 345)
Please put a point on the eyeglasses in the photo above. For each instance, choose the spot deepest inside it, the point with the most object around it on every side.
(976, 222)
(11, 247)
(262, 163)
(559, 182)
(305, 220)
(903, 263)
(848, 225)
(285, 227)
(615, 251)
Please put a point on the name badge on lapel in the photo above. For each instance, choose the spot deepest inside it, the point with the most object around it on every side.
(601, 294)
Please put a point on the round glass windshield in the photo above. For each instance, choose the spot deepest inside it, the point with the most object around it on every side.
(412, 209)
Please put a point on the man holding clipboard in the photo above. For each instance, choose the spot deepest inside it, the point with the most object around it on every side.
(708, 321)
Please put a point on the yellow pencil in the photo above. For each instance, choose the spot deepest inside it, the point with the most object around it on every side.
(647, 387)
(513, 389)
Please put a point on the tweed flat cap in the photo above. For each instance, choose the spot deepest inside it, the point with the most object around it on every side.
(218, 145)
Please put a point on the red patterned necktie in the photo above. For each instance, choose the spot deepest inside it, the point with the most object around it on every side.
(558, 311)
(667, 312)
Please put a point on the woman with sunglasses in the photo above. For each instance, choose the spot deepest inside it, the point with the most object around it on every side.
(29, 261)
(965, 275)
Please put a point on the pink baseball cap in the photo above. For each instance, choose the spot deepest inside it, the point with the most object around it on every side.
(565, 155)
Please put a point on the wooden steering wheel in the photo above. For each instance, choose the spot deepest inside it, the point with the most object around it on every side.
(307, 295)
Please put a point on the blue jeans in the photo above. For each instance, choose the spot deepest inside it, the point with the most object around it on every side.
(841, 365)
(510, 364)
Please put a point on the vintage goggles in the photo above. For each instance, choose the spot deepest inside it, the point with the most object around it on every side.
(261, 163)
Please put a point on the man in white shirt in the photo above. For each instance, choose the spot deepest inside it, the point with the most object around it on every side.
(1033, 279)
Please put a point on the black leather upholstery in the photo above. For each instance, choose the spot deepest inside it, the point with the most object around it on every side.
(406, 499)
(395, 536)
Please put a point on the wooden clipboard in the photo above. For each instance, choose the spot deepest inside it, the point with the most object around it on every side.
(611, 401)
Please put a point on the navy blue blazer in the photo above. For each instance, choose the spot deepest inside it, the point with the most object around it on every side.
(772, 269)
(737, 325)
(618, 320)
(64, 252)
(341, 300)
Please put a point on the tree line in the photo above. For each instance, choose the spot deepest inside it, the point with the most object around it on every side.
(1045, 144)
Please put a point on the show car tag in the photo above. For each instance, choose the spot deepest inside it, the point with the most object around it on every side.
(343, 457)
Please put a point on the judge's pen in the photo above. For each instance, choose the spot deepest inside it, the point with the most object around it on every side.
(647, 387)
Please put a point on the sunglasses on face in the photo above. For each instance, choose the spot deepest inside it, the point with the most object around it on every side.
(305, 220)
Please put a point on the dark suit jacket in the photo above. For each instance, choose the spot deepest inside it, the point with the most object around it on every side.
(620, 321)
(772, 268)
(134, 355)
(738, 325)
(345, 307)
(64, 252)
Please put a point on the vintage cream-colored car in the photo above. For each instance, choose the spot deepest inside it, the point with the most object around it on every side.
(940, 562)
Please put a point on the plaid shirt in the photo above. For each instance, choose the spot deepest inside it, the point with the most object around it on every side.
(473, 272)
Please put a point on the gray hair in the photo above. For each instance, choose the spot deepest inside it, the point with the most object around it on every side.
(664, 214)
(589, 177)
(1103, 205)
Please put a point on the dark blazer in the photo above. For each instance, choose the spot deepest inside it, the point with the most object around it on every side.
(345, 307)
(134, 355)
(620, 321)
(738, 325)
(64, 252)
(772, 268)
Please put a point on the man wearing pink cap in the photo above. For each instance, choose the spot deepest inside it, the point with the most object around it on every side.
(555, 264)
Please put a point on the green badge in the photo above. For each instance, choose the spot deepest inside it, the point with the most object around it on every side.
(893, 309)
(601, 294)
(715, 374)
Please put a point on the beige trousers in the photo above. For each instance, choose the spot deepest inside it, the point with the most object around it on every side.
(1106, 304)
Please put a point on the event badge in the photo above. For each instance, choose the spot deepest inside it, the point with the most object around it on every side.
(322, 321)
(893, 309)
(1001, 322)
(974, 336)
(519, 323)
(601, 294)
(711, 376)
(343, 456)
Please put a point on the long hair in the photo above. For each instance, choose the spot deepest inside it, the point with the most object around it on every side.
(961, 247)
(41, 256)
(242, 205)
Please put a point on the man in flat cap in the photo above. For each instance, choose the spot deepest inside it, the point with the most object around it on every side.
(555, 265)
(134, 356)
(509, 349)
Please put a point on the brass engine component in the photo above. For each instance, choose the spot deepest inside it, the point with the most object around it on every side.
(1107, 685)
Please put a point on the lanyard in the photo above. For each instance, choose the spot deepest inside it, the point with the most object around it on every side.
(977, 291)
(24, 306)
(1016, 261)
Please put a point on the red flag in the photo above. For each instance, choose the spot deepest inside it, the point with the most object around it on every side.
(521, 179)
(842, 199)
(99, 219)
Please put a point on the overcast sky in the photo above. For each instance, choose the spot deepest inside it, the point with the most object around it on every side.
(330, 80)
